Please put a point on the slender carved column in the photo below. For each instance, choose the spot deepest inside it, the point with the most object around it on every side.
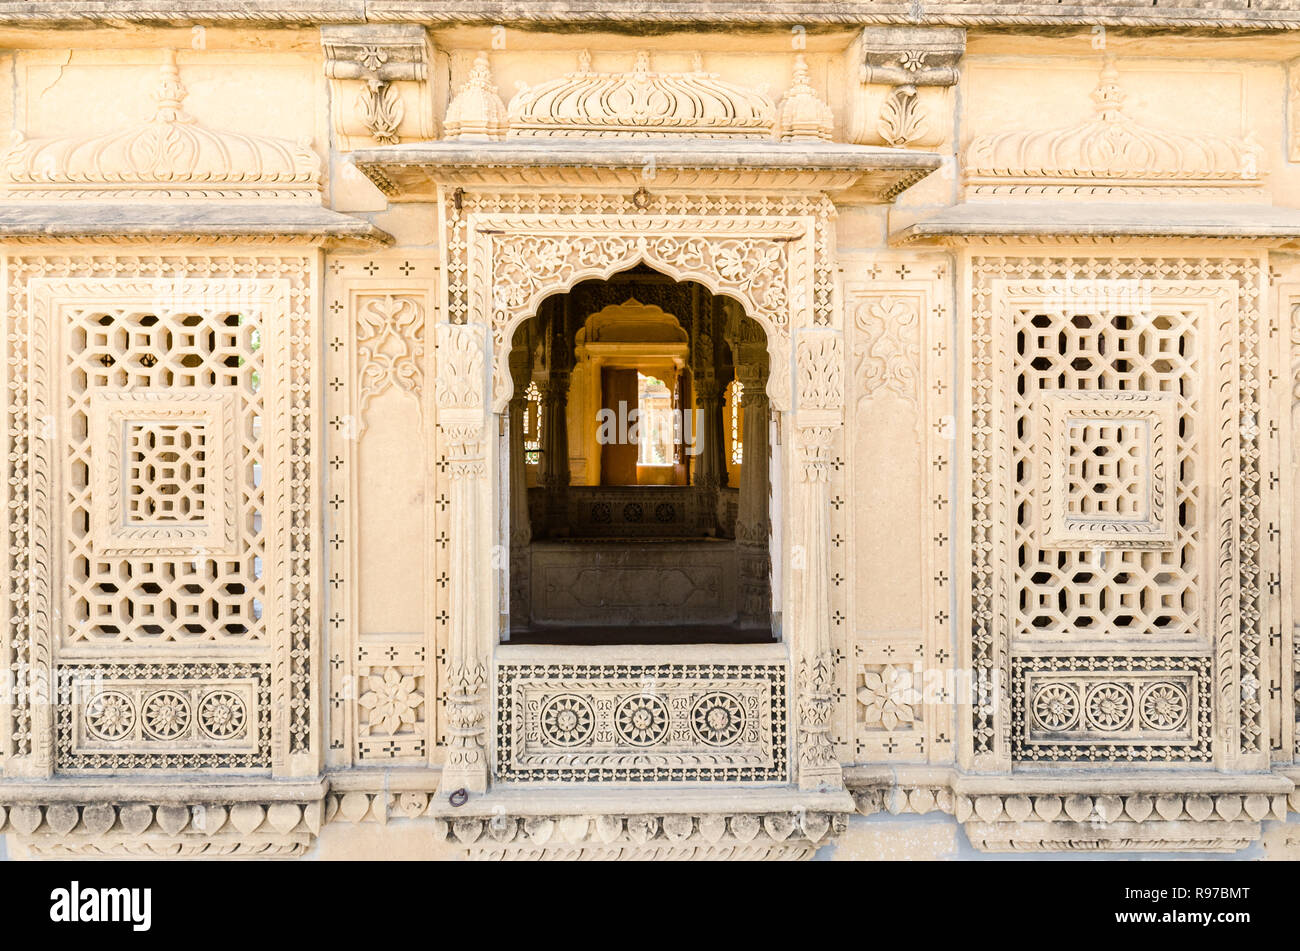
(462, 415)
(710, 473)
(753, 528)
(521, 530)
(817, 764)
(555, 451)
(820, 370)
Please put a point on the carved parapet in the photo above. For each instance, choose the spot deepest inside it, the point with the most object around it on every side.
(904, 76)
(640, 103)
(644, 836)
(379, 84)
(1112, 153)
(1106, 819)
(205, 829)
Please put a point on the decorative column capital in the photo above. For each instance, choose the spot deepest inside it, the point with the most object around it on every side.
(917, 64)
(911, 55)
(378, 71)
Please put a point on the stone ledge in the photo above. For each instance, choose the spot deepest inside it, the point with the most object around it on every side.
(101, 220)
(411, 172)
(1206, 813)
(975, 221)
(196, 828)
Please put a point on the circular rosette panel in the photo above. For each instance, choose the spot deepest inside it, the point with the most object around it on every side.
(1109, 707)
(110, 715)
(166, 715)
(1056, 707)
(567, 720)
(1163, 706)
(717, 719)
(222, 715)
(641, 720)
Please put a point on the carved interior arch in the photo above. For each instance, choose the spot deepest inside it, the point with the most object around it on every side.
(525, 259)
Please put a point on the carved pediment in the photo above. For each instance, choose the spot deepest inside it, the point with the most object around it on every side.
(641, 103)
(1110, 149)
(168, 155)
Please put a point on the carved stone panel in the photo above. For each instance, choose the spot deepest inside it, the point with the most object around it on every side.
(170, 505)
(165, 716)
(1092, 380)
(641, 722)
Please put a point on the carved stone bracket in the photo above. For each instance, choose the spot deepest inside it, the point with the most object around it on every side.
(379, 83)
(918, 64)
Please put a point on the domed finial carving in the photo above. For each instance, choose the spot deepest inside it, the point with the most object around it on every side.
(168, 155)
(803, 117)
(1110, 150)
(477, 112)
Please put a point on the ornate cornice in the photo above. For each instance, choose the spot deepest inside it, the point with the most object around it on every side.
(168, 156)
(1274, 15)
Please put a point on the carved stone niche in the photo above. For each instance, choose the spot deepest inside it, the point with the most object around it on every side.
(905, 74)
(379, 84)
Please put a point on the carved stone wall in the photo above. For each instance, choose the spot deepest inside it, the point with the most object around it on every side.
(1031, 309)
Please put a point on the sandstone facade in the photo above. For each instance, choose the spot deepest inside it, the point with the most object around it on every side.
(983, 319)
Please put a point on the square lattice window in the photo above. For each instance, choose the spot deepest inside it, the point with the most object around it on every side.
(1107, 463)
(161, 471)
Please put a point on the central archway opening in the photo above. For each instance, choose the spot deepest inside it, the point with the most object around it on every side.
(639, 483)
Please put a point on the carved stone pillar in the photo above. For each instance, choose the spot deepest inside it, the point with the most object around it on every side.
(555, 451)
(753, 527)
(462, 384)
(521, 529)
(710, 464)
(818, 417)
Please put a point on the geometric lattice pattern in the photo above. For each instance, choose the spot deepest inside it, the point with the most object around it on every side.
(1108, 481)
(1107, 451)
(163, 480)
(166, 465)
(166, 442)
(1107, 469)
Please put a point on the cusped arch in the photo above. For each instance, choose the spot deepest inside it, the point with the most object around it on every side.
(755, 270)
